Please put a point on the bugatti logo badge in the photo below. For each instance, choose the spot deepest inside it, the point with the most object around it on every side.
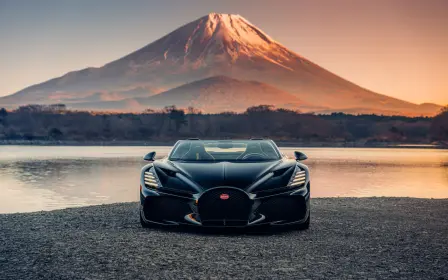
(224, 196)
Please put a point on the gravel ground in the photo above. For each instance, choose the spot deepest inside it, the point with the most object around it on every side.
(349, 238)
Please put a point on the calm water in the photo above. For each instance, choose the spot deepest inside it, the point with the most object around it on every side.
(43, 178)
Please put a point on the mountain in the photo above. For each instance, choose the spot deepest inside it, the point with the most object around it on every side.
(213, 45)
(221, 93)
(213, 95)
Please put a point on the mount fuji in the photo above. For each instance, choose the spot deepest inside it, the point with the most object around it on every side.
(223, 55)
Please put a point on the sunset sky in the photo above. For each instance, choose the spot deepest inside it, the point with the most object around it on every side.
(393, 47)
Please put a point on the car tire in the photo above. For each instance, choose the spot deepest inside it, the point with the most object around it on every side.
(305, 225)
(143, 223)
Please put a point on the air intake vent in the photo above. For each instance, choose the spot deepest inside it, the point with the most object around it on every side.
(168, 172)
(280, 172)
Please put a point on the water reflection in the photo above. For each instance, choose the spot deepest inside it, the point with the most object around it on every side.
(74, 182)
(44, 178)
(378, 172)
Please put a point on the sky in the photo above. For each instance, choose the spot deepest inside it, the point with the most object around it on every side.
(394, 47)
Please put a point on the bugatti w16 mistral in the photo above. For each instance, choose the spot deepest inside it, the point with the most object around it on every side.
(225, 183)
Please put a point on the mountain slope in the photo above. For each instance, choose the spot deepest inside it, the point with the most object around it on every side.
(220, 93)
(213, 95)
(214, 45)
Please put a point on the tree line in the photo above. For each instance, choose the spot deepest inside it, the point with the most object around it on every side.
(55, 122)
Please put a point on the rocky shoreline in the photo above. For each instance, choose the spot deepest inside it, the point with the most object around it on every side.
(349, 238)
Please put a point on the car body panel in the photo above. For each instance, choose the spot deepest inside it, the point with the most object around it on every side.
(236, 174)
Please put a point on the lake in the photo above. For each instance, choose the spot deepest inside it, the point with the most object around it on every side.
(34, 178)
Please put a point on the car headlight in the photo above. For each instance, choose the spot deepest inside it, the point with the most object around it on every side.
(150, 179)
(298, 179)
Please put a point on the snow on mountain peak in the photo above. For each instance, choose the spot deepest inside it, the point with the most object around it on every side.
(227, 37)
(224, 39)
(235, 28)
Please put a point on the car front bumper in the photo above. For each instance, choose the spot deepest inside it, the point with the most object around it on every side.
(290, 206)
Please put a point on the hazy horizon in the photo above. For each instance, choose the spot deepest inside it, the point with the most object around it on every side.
(398, 48)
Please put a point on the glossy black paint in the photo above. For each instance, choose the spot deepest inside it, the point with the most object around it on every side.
(235, 174)
(150, 156)
(300, 156)
(183, 184)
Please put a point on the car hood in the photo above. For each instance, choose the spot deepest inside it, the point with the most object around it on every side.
(233, 174)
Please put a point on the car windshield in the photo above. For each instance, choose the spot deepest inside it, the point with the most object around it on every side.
(224, 150)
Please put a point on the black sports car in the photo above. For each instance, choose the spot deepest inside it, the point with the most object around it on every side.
(225, 183)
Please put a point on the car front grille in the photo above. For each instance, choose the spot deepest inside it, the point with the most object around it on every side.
(224, 206)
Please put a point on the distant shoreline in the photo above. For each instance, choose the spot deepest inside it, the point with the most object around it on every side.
(285, 144)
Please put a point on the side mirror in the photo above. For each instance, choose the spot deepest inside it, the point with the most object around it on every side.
(150, 156)
(300, 156)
